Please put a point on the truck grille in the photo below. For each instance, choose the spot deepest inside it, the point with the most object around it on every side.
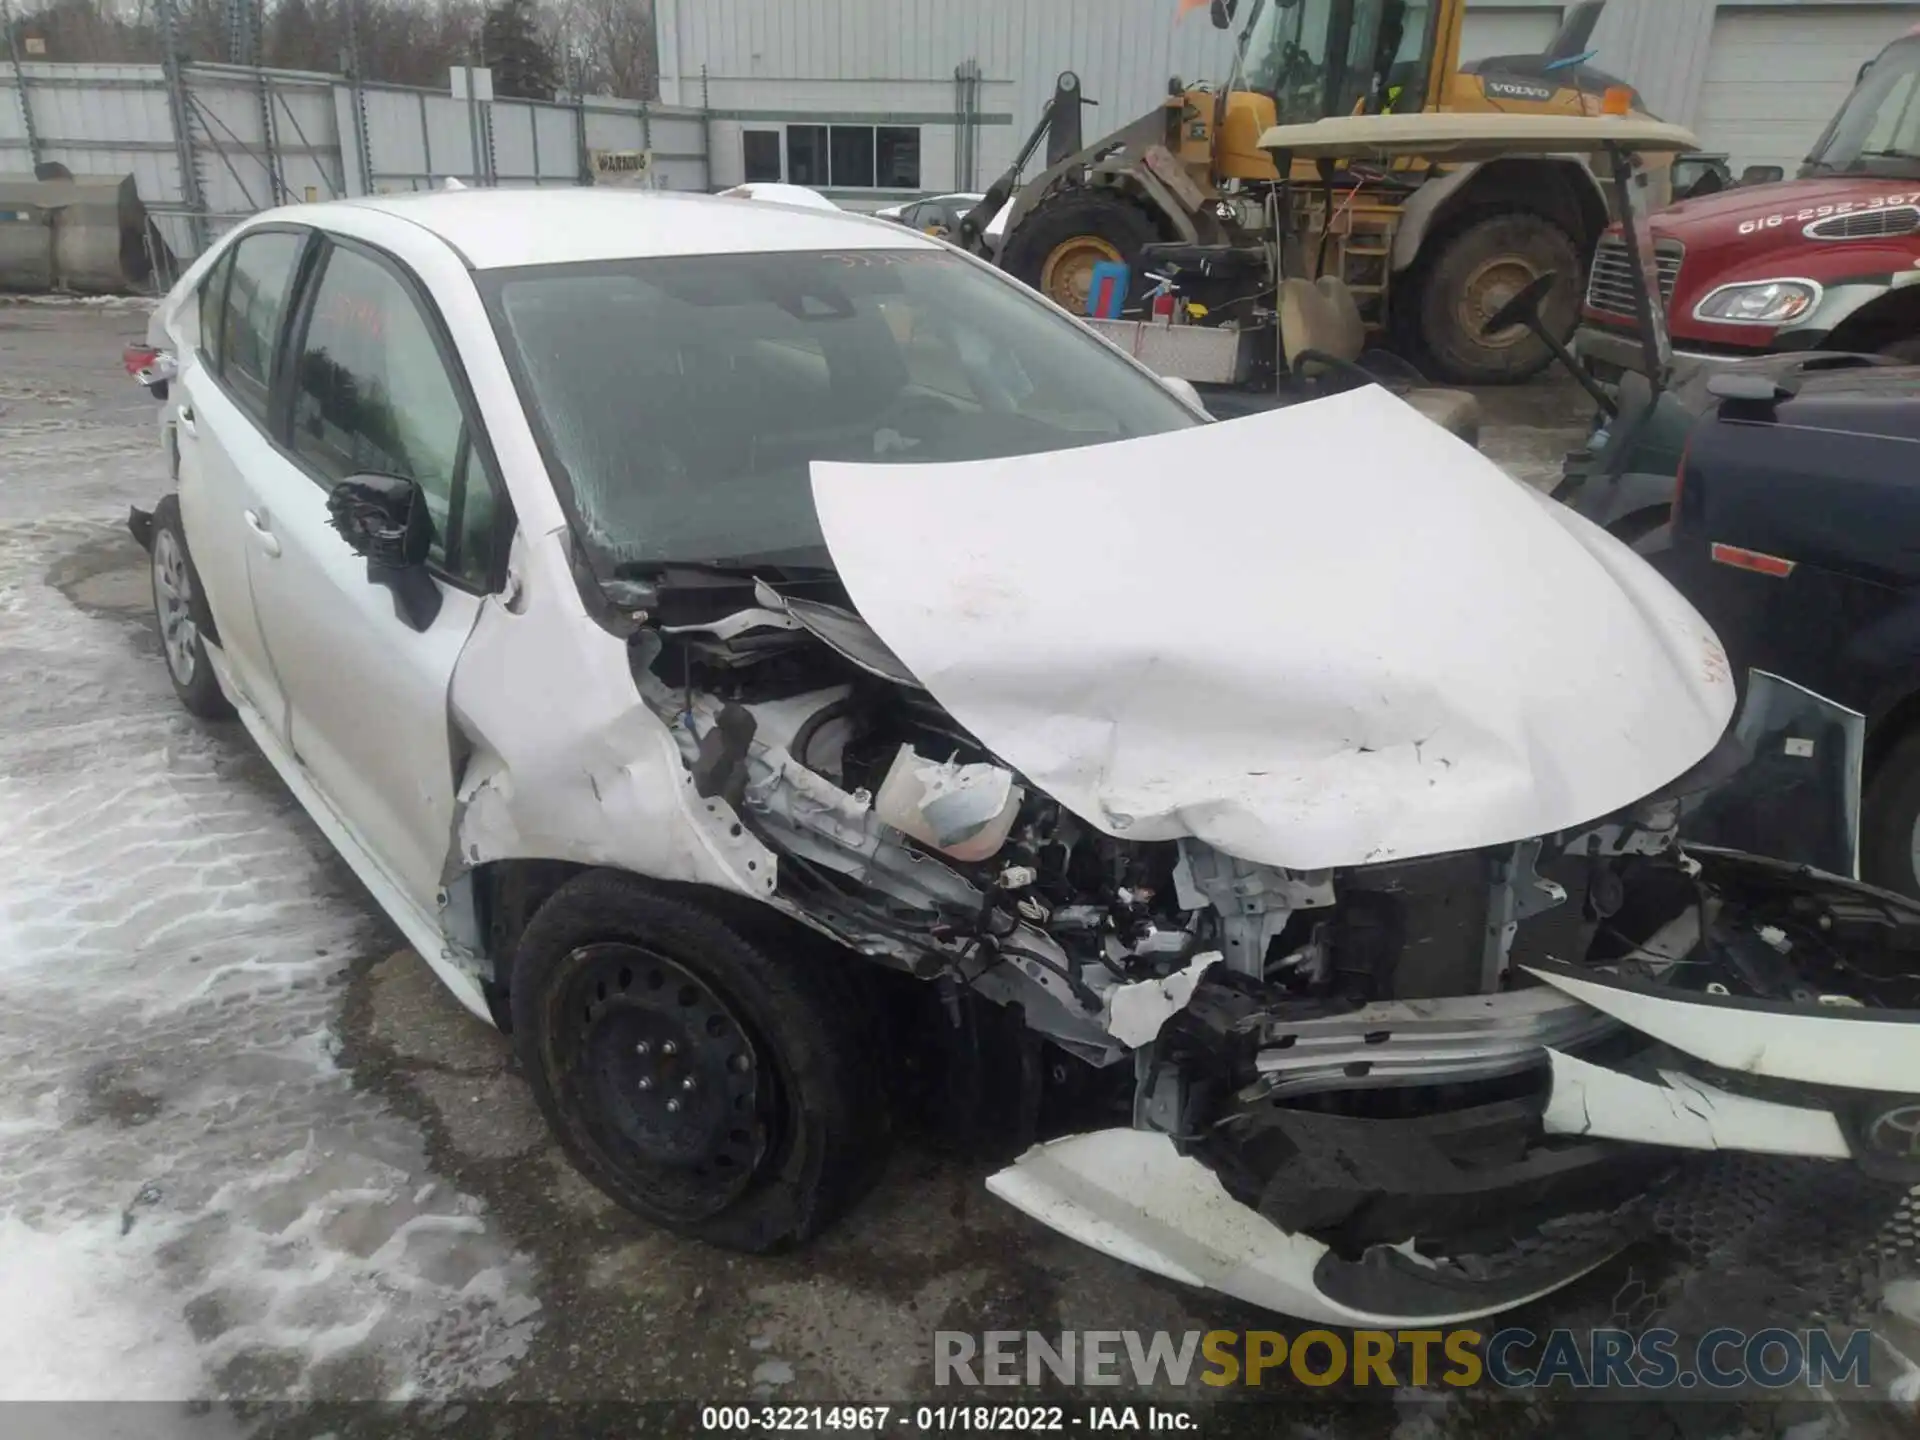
(1610, 286)
(1891, 220)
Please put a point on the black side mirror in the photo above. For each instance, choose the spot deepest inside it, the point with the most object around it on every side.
(1221, 13)
(384, 518)
(1763, 174)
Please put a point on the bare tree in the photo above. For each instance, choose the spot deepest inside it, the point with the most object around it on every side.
(407, 42)
(611, 46)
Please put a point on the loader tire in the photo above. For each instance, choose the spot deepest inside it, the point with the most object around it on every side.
(1472, 271)
(1055, 248)
(714, 1071)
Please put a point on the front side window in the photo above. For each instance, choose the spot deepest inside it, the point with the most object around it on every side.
(262, 278)
(373, 396)
(682, 400)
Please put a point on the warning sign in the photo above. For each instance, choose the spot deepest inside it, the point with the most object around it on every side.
(622, 167)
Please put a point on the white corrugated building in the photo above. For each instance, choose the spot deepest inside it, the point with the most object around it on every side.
(871, 100)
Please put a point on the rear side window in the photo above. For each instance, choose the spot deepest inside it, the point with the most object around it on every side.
(213, 299)
(262, 267)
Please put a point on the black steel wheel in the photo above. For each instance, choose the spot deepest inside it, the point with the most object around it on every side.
(710, 1069)
(669, 1071)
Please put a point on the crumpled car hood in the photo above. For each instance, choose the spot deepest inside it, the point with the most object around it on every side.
(1327, 635)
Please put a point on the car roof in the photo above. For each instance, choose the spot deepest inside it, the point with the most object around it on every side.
(498, 229)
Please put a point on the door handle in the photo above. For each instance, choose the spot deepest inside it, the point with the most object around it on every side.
(258, 525)
(185, 417)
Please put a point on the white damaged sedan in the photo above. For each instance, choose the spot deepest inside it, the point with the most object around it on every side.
(798, 682)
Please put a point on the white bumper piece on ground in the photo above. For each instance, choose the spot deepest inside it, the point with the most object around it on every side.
(1131, 1196)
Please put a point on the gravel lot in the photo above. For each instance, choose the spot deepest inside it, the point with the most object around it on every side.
(253, 1151)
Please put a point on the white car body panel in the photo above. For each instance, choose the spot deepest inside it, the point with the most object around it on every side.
(336, 642)
(776, 193)
(598, 779)
(222, 460)
(1157, 634)
(1683, 1114)
(458, 971)
(1130, 1195)
(1853, 1048)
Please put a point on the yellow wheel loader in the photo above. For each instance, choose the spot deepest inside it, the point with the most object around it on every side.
(1428, 252)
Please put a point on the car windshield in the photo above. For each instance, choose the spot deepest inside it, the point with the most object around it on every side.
(1877, 131)
(681, 400)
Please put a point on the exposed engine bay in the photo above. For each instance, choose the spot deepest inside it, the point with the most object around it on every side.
(1434, 1069)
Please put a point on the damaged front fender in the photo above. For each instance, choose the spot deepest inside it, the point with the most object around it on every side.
(566, 761)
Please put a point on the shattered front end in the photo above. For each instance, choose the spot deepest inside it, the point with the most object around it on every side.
(1212, 868)
(1453, 1085)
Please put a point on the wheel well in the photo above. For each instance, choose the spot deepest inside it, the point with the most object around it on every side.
(1552, 188)
(1892, 317)
(1893, 727)
(506, 894)
(509, 893)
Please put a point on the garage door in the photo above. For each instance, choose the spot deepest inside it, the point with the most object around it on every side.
(1776, 74)
(1507, 30)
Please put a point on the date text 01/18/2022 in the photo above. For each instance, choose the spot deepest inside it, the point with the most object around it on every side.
(933, 1419)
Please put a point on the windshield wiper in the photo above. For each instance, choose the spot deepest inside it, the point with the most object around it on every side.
(725, 567)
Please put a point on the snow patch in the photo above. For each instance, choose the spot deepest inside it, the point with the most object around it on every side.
(85, 1316)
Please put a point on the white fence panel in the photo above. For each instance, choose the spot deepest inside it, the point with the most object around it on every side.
(513, 148)
(250, 133)
(557, 140)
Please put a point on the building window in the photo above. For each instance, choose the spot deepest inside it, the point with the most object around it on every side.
(897, 157)
(847, 157)
(807, 154)
(853, 156)
(760, 150)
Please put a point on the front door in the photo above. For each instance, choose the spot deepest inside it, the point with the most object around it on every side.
(373, 389)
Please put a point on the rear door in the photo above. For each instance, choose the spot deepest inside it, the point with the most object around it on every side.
(221, 428)
(373, 387)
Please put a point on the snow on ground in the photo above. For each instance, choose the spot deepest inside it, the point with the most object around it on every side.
(195, 1199)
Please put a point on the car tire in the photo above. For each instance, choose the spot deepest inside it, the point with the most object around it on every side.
(1907, 352)
(713, 1071)
(1051, 246)
(181, 613)
(1471, 272)
(1890, 818)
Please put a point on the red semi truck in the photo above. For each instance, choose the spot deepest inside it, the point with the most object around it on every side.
(1827, 261)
